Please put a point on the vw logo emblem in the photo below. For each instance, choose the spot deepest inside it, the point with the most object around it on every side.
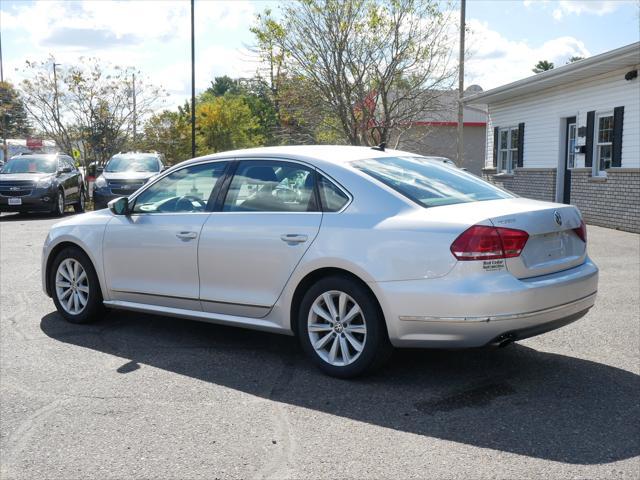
(557, 217)
(14, 189)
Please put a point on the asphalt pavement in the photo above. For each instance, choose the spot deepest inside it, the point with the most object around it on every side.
(142, 396)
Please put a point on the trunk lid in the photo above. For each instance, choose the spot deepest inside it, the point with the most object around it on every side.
(553, 245)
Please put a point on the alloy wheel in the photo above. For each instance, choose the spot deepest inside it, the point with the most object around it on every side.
(337, 328)
(72, 286)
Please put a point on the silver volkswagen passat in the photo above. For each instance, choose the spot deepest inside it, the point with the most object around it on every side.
(354, 250)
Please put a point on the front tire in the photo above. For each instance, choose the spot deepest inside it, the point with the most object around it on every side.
(58, 208)
(74, 286)
(79, 206)
(341, 328)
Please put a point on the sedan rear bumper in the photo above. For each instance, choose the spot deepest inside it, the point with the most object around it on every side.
(456, 313)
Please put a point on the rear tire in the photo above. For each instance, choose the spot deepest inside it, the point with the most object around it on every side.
(74, 286)
(341, 328)
(79, 206)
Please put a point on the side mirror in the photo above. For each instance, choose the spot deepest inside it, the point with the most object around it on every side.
(119, 206)
(65, 170)
(99, 170)
(164, 167)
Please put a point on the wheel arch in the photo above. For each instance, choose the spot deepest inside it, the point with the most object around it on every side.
(318, 274)
(54, 253)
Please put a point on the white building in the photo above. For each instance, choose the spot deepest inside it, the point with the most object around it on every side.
(572, 135)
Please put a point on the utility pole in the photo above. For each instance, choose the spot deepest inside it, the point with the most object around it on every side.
(193, 85)
(5, 149)
(135, 117)
(461, 86)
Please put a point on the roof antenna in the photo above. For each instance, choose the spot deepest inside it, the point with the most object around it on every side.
(380, 147)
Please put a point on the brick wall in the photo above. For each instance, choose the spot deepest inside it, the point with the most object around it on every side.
(536, 183)
(613, 202)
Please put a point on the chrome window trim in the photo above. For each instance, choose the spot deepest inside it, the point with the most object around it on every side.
(171, 170)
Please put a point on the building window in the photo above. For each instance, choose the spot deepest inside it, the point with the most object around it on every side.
(603, 143)
(507, 149)
(571, 146)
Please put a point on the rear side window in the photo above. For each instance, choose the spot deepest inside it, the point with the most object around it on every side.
(271, 186)
(333, 199)
(429, 183)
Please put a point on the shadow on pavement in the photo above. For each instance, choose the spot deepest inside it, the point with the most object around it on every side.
(515, 400)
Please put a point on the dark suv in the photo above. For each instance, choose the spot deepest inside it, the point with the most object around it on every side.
(123, 174)
(41, 182)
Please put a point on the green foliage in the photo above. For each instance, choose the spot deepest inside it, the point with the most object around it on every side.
(169, 133)
(14, 122)
(222, 86)
(574, 58)
(226, 123)
(543, 66)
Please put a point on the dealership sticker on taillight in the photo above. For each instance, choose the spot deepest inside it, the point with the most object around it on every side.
(492, 265)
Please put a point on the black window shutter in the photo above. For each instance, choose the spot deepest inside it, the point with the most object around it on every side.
(588, 157)
(520, 145)
(616, 154)
(496, 132)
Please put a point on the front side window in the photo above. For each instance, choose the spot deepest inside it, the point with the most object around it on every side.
(429, 183)
(184, 191)
(507, 149)
(271, 186)
(603, 143)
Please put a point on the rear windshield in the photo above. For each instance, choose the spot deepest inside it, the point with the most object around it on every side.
(30, 164)
(429, 182)
(133, 163)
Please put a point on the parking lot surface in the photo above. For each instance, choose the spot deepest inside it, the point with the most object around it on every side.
(142, 396)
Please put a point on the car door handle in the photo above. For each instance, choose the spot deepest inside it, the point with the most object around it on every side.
(293, 238)
(186, 235)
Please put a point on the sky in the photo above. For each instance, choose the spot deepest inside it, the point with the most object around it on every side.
(506, 37)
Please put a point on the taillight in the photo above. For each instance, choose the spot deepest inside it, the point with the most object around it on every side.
(581, 231)
(482, 242)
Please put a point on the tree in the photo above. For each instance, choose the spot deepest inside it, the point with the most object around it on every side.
(14, 122)
(542, 66)
(574, 58)
(269, 48)
(88, 106)
(371, 67)
(226, 123)
(169, 133)
(223, 85)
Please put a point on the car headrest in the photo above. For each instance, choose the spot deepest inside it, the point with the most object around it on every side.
(308, 182)
(263, 174)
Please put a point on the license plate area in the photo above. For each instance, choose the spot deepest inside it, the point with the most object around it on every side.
(15, 201)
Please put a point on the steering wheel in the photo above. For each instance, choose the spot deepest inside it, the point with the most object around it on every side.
(186, 203)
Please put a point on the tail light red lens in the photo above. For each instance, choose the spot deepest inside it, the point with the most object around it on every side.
(581, 231)
(482, 242)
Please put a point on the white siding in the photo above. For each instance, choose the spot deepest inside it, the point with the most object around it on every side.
(544, 112)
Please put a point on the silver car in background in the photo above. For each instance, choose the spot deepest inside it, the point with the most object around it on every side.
(353, 250)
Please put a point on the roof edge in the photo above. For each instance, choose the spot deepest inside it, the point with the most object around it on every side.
(541, 78)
